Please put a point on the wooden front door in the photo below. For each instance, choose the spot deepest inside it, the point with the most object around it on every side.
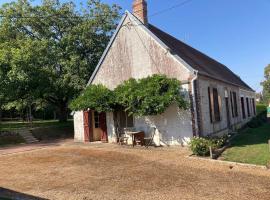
(103, 127)
(87, 123)
(96, 126)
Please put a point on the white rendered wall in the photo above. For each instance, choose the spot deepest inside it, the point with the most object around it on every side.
(78, 126)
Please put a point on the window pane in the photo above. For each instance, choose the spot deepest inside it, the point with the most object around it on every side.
(243, 107)
(235, 105)
(248, 110)
(210, 105)
(96, 118)
(231, 97)
(216, 105)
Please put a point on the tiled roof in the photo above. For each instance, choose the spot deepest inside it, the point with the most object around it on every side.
(197, 60)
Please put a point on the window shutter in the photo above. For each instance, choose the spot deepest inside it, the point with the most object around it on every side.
(235, 104)
(210, 98)
(231, 98)
(219, 106)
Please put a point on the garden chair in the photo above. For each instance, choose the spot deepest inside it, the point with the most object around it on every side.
(149, 140)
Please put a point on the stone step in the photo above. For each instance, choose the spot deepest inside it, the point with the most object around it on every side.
(27, 136)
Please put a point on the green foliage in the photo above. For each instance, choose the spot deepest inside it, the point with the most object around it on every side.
(258, 121)
(266, 85)
(50, 50)
(261, 108)
(149, 96)
(95, 97)
(201, 146)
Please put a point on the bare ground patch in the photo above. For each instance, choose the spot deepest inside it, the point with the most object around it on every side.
(112, 172)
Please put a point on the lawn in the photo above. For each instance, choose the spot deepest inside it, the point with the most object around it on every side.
(14, 125)
(42, 130)
(10, 139)
(250, 146)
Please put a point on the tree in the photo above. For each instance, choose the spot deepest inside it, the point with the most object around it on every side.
(52, 49)
(266, 85)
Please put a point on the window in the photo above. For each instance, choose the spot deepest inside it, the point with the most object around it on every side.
(96, 117)
(214, 105)
(125, 119)
(231, 97)
(254, 107)
(243, 108)
(248, 108)
(235, 104)
(210, 104)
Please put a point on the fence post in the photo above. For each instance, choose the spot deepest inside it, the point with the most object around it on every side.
(211, 153)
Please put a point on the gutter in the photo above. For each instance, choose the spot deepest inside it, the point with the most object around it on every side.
(195, 112)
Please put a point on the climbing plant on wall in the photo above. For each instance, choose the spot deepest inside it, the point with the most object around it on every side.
(94, 97)
(150, 96)
(143, 97)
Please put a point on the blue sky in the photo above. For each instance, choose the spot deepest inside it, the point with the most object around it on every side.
(234, 32)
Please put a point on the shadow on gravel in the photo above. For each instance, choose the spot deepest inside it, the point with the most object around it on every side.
(6, 194)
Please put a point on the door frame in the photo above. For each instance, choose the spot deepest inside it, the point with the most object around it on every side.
(87, 125)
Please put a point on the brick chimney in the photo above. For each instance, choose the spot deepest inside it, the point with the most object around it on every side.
(140, 10)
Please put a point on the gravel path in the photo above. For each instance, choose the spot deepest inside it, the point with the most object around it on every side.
(105, 171)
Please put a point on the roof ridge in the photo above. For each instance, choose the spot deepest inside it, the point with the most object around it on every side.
(191, 54)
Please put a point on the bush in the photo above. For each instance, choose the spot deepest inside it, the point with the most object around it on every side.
(218, 142)
(200, 146)
(257, 121)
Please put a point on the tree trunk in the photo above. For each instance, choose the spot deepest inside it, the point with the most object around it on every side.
(63, 113)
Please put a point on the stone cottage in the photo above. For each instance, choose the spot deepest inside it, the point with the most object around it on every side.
(219, 100)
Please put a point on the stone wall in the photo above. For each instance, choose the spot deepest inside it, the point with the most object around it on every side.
(220, 127)
(134, 53)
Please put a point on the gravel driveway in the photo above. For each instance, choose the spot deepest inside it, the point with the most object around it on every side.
(105, 171)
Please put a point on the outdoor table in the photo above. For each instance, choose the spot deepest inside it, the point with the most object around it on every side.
(136, 135)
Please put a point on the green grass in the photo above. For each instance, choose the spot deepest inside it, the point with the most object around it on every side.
(6, 140)
(42, 130)
(14, 125)
(261, 108)
(54, 132)
(250, 146)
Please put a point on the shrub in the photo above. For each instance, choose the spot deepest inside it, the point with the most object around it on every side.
(200, 146)
(218, 142)
(257, 121)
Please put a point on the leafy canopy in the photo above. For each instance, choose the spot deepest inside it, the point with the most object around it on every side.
(150, 96)
(266, 85)
(143, 97)
(50, 50)
(94, 97)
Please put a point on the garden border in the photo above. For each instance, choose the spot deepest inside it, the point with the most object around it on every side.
(192, 156)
